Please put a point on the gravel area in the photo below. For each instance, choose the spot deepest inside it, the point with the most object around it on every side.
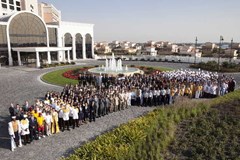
(20, 83)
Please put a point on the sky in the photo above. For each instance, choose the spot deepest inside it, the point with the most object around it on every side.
(158, 20)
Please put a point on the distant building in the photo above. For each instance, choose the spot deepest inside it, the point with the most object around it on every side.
(163, 48)
(175, 49)
(209, 48)
(102, 48)
(150, 50)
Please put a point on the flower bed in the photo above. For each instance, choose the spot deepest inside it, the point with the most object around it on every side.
(73, 74)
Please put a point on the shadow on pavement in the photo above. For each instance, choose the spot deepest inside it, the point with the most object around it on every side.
(4, 136)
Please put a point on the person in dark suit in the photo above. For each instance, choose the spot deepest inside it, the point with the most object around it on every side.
(32, 127)
(11, 110)
(80, 79)
(92, 109)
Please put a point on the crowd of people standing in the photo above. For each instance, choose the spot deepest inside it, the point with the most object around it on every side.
(97, 96)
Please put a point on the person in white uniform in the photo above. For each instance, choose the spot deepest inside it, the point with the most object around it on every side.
(14, 130)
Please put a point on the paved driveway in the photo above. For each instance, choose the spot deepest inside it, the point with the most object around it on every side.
(18, 84)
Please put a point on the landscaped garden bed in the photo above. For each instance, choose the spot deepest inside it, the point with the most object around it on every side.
(213, 66)
(56, 64)
(149, 136)
(70, 75)
(73, 74)
(214, 135)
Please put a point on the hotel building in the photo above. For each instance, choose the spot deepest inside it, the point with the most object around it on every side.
(33, 33)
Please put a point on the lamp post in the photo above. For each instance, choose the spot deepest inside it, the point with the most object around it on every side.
(195, 58)
(219, 51)
(230, 56)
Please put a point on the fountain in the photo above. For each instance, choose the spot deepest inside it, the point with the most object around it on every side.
(114, 67)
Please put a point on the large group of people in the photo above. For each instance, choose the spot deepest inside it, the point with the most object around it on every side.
(97, 96)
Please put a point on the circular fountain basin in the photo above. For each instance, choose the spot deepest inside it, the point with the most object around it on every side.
(128, 72)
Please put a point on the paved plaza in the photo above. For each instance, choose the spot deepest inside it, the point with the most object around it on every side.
(20, 83)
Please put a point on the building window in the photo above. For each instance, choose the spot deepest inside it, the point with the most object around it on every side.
(5, 1)
(17, 3)
(11, 7)
(11, 2)
(18, 9)
(4, 6)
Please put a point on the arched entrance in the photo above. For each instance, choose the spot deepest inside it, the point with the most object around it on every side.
(27, 30)
(68, 43)
(79, 47)
(89, 46)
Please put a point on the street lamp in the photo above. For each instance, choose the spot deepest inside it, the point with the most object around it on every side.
(230, 56)
(195, 50)
(219, 51)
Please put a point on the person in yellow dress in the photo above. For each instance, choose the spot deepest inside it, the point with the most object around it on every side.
(55, 127)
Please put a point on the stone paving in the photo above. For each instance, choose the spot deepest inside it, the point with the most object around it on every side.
(18, 84)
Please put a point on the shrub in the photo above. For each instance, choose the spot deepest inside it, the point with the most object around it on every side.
(44, 66)
(213, 66)
(73, 63)
(149, 68)
(213, 135)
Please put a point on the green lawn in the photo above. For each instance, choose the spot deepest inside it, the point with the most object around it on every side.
(163, 68)
(57, 78)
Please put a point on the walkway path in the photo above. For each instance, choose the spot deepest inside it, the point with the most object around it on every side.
(20, 84)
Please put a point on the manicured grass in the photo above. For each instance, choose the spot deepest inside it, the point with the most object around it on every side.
(57, 78)
(163, 68)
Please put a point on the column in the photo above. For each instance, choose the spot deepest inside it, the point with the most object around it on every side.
(49, 57)
(93, 55)
(19, 58)
(84, 46)
(68, 56)
(10, 60)
(64, 55)
(37, 60)
(74, 47)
